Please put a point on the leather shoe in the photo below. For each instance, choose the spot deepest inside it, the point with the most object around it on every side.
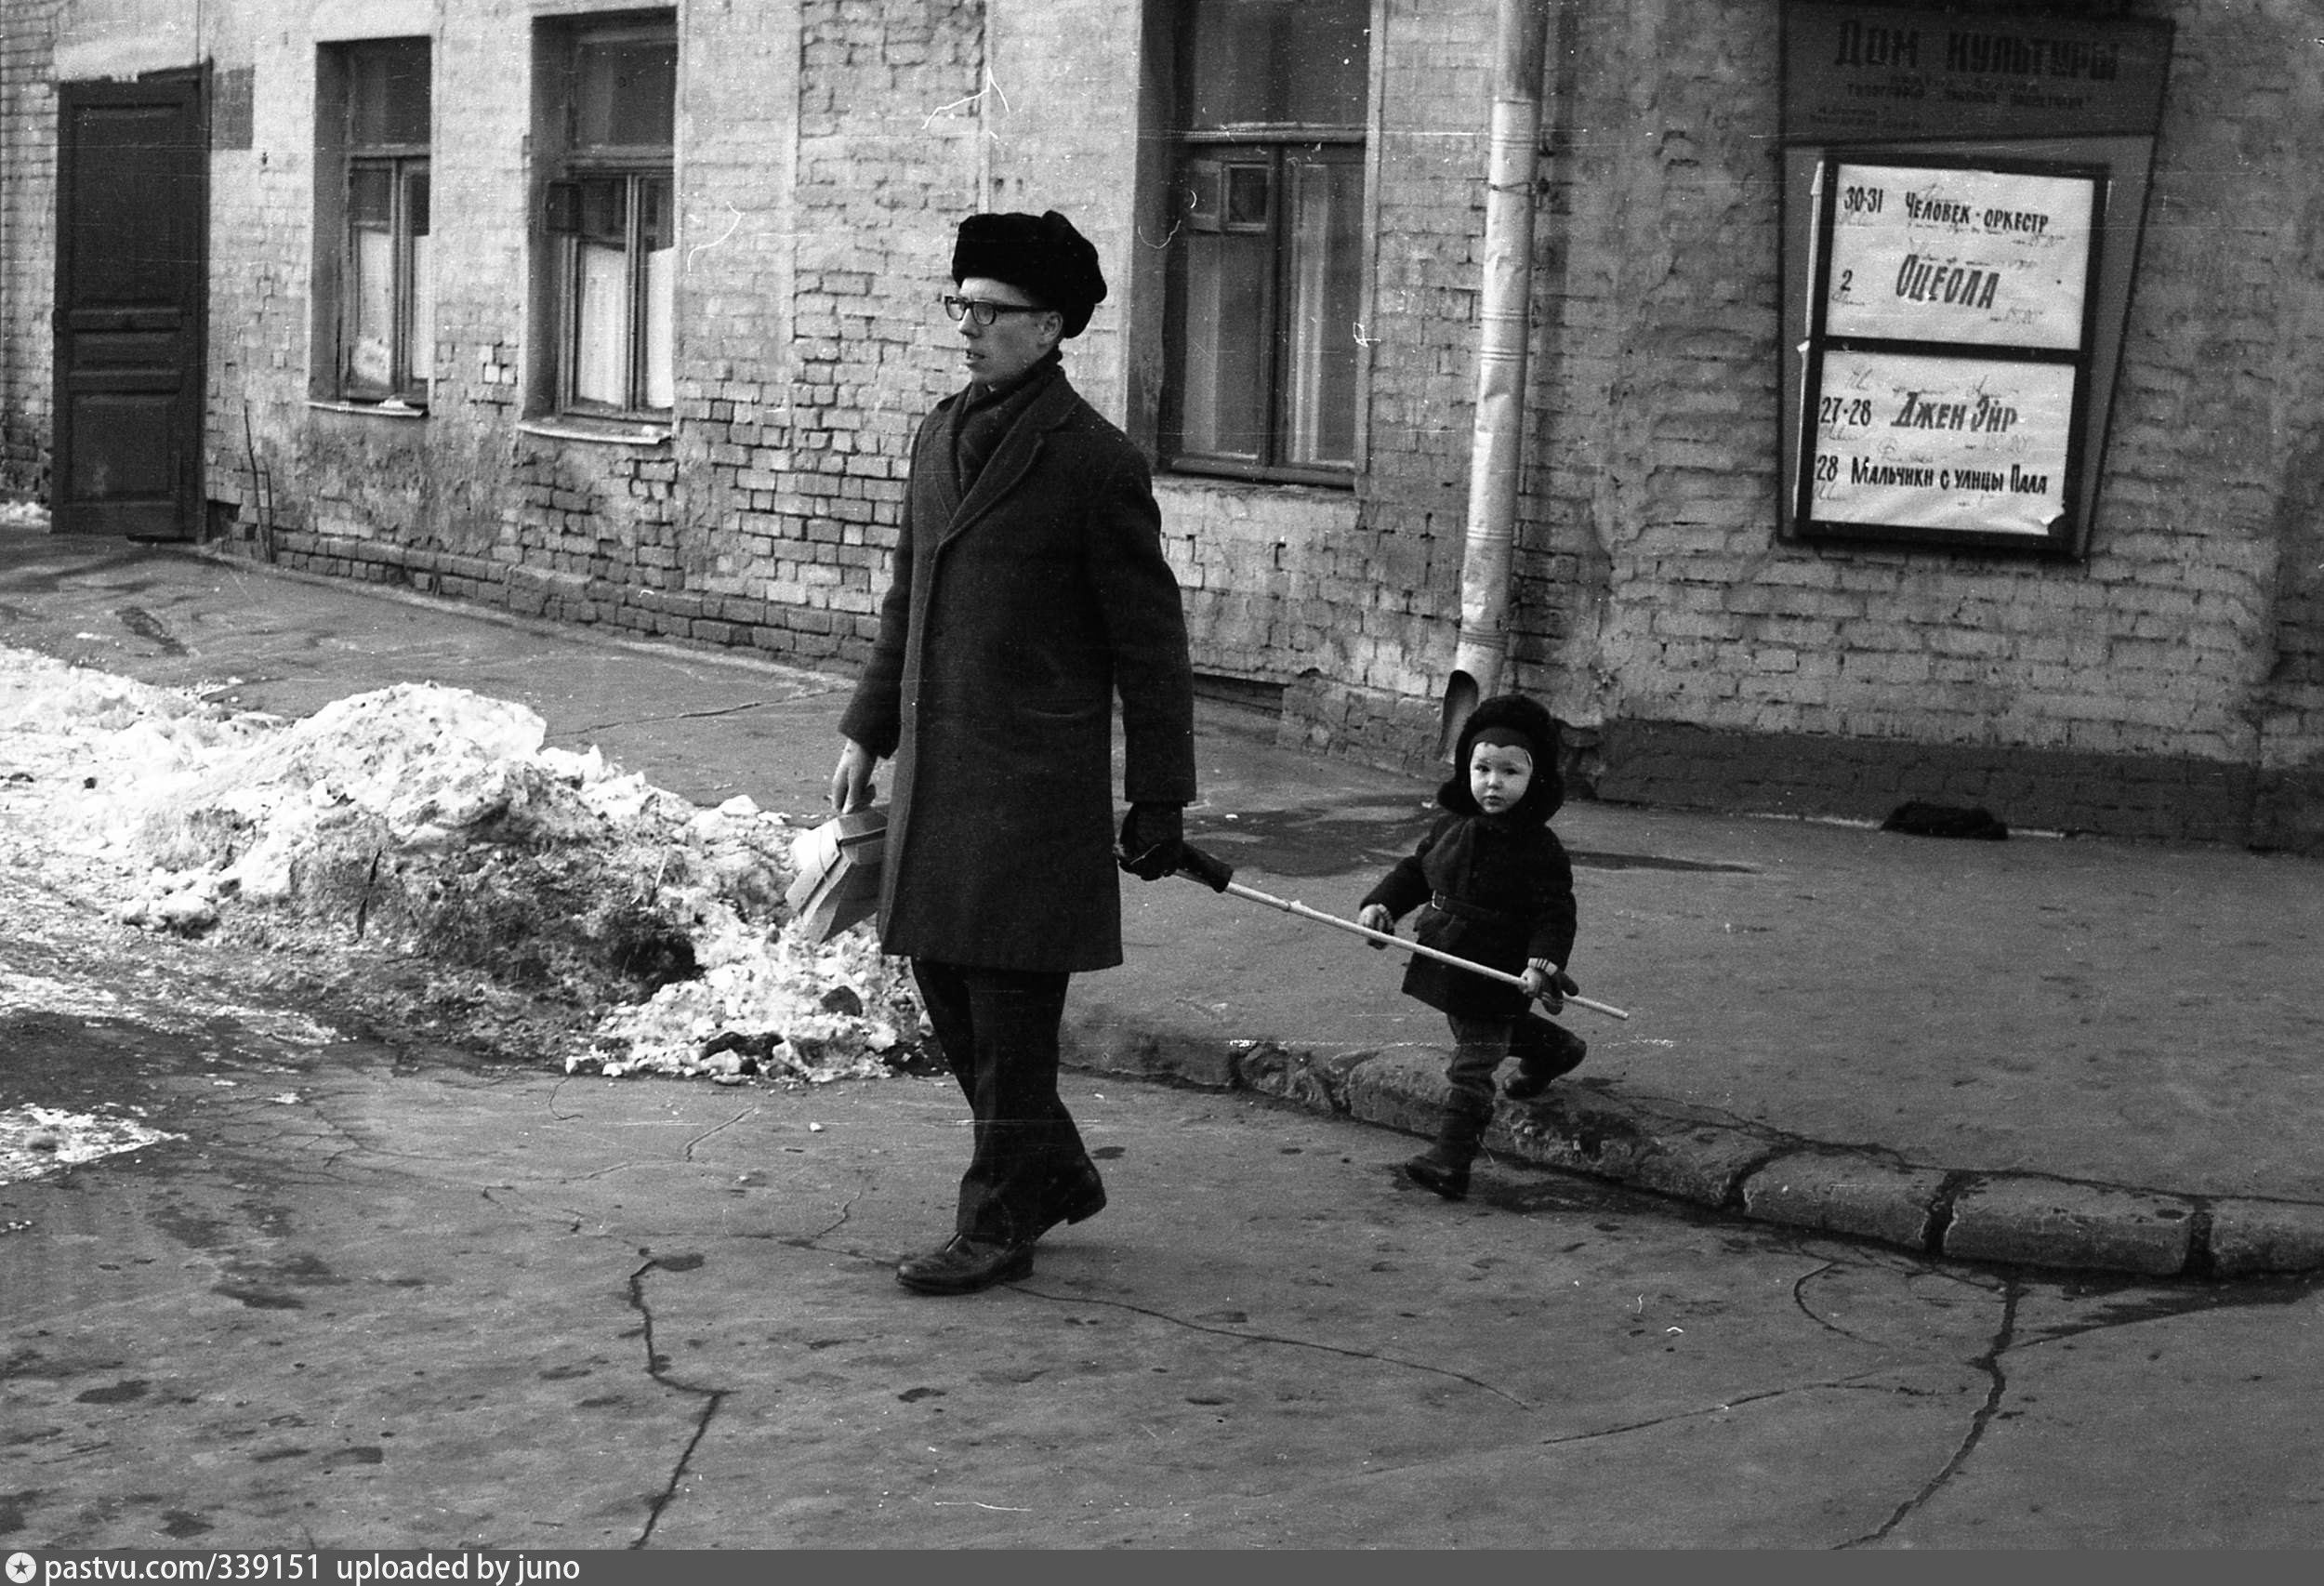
(963, 1265)
(1078, 1198)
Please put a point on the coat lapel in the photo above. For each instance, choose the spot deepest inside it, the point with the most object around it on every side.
(931, 470)
(1015, 456)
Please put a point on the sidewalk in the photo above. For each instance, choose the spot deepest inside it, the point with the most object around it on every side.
(2067, 1053)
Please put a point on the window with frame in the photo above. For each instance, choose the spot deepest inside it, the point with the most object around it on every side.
(1267, 245)
(374, 121)
(611, 226)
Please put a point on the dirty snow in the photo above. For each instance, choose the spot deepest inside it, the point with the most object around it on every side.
(427, 835)
(36, 1139)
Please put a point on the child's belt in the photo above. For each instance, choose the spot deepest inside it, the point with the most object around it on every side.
(1470, 911)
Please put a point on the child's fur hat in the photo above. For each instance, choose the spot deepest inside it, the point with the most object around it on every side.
(1516, 714)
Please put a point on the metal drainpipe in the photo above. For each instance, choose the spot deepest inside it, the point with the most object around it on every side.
(1504, 336)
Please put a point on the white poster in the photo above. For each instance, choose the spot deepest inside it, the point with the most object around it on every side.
(1995, 258)
(1972, 445)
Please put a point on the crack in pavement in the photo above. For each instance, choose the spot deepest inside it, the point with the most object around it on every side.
(1858, 1262)
(743, 1117)
(1798, 1299)
(1277, 1338)
(1851, 1380)
(2005, 1340)
(679, 716)
(657, 1368)
(847, 1210)
(1997, 1387)
(814, 1242)
(549, 1103)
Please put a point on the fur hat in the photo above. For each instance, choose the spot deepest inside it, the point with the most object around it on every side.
(1509, 716)
(1042, 255)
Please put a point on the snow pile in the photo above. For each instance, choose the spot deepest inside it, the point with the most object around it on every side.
(766, 1004)
(431, 823)
(36, 1140)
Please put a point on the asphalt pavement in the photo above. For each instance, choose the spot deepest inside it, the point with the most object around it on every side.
(2048, 1051)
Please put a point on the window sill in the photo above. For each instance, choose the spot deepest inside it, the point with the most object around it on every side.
(1208, 505)
(1342, 488)
(1241, 473)
(396, 410)
(602, 432)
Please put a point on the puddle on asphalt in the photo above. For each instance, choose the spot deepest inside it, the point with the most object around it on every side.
(151, 628)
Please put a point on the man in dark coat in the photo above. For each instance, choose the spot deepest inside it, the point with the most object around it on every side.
(1029, 589)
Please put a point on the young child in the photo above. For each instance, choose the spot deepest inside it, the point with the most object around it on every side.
(1493, 886)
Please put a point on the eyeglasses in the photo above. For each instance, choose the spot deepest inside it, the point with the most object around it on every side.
(985, 313)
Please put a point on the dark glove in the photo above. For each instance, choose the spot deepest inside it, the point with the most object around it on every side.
(1556, 986)
(1153, 840)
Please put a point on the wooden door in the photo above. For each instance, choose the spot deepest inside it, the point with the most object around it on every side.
(132, 288)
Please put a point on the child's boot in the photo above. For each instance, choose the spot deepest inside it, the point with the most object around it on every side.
(1546, 1051)
(1444, 1167)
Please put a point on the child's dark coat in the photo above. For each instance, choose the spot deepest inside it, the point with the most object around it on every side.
(1497, 889)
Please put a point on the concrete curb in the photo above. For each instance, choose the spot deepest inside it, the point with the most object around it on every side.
(2013, 1218)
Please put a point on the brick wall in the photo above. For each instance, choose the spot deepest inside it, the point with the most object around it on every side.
(28, 241)
(261, 212)
(1351, 600)
(1653, 606)
(887, 157)
(2279, 297)
(2173, 683)
(826, 150)
(1383, 638)
(2134, 672)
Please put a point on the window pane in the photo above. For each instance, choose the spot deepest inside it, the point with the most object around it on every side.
(1278, 61)
(370, 289)
(371, 307)
(390, 89)
(1326, 275)
(1222, 410)
(601, 350)
(605, 210)
(370, 195)
(657, 237)
(419, 332)
(629, 91)
(1249, 198)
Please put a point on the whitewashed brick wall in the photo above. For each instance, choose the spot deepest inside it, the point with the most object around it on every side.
(2172, 682)
(28, 241)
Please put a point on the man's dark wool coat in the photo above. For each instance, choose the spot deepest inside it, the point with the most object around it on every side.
(1015, 615)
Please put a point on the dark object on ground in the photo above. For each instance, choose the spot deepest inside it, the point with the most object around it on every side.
(922, 1060)
(1916, 819)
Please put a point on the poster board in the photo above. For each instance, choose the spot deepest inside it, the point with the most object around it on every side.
(1949, 351)
(2001, 104)
(1932, 253)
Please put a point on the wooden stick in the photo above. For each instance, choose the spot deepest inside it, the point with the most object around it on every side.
(1389, 939)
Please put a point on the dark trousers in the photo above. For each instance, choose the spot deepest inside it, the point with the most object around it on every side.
(1479, 1045)
(999, 1031)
